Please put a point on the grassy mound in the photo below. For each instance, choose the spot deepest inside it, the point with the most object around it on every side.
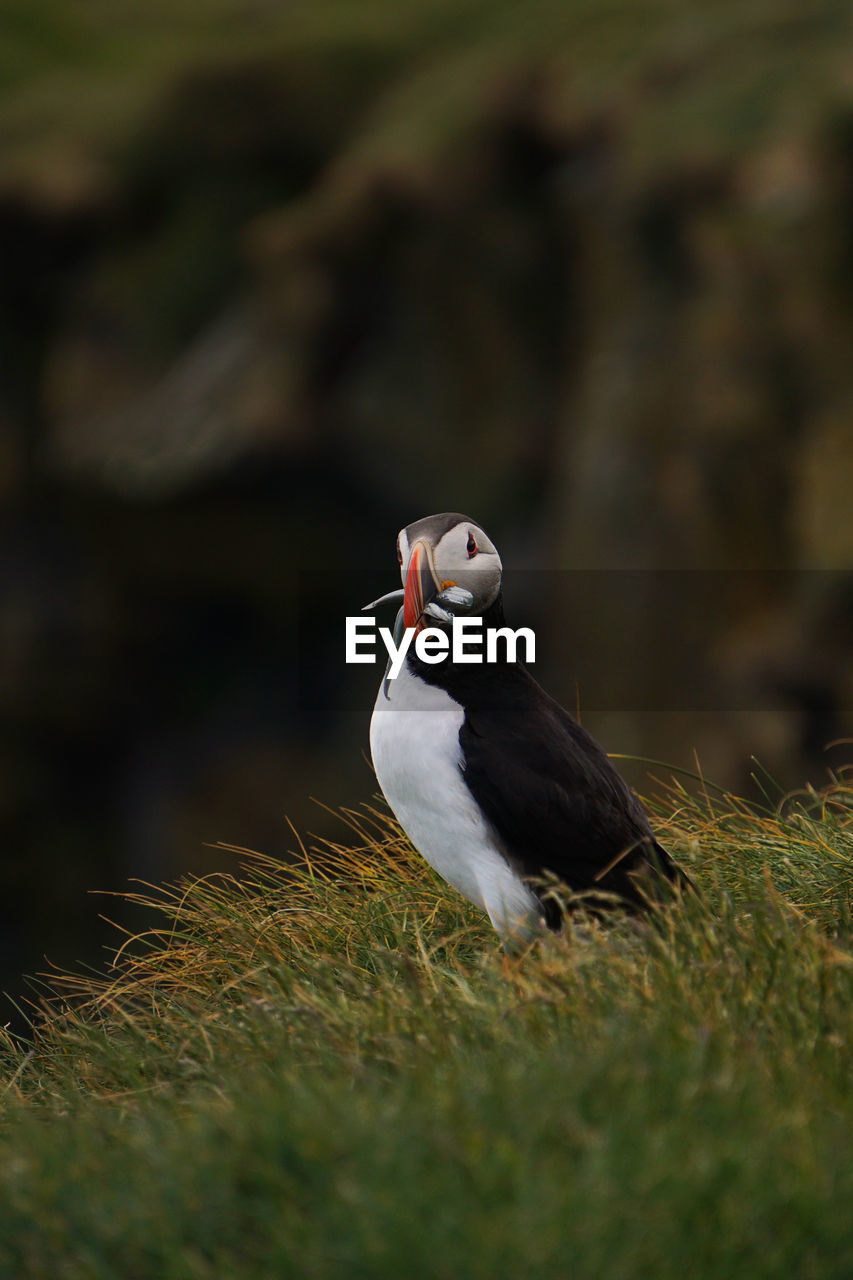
(331, 1069)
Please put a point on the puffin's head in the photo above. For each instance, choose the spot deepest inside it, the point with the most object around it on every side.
(449, 567)
(438, 554)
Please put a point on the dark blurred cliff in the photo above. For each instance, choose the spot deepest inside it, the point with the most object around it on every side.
(277, 279)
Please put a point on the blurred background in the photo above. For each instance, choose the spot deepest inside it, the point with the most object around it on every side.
(278, 278)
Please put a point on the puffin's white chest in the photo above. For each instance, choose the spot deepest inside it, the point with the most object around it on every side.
(414, 741)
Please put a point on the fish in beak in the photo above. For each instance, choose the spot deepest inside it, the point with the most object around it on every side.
(423, 595)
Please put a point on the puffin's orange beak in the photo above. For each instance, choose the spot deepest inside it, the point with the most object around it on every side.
(420, 587)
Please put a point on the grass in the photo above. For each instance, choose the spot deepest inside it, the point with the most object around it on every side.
(331, 1070)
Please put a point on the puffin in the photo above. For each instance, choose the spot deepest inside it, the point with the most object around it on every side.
(498, 787)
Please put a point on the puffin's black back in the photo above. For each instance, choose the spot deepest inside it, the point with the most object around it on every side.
(554, 800)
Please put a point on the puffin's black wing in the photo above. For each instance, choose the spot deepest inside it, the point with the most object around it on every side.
(555, 801)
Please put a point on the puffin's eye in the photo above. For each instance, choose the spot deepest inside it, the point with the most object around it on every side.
(472, 545)
(399, 554)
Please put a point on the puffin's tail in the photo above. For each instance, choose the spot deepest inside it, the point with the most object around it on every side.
(662, 865)
(646, 876)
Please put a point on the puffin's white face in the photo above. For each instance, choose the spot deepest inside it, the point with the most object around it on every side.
(444, 551)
